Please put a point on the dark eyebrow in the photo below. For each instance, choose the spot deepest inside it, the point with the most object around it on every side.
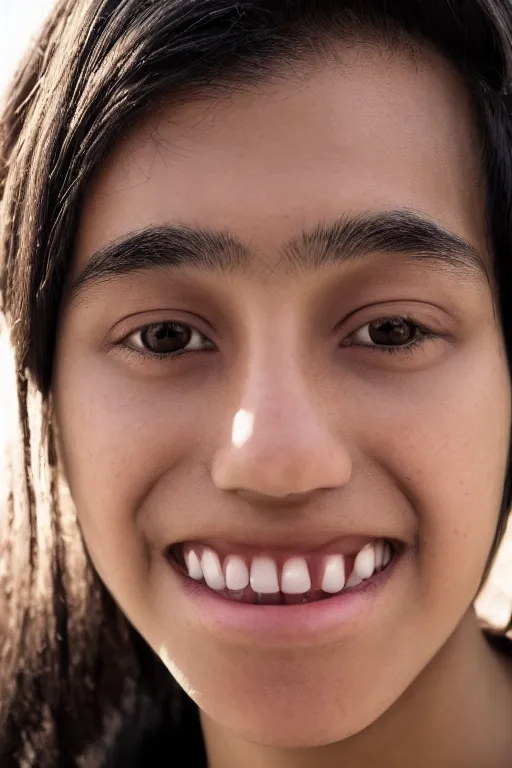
(163, 247)
(400, 232)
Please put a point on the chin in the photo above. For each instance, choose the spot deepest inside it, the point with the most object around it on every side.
(292, 716)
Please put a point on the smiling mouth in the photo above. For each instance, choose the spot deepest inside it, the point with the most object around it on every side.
(269, 579)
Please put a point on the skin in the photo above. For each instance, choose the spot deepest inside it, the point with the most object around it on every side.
(345, 439)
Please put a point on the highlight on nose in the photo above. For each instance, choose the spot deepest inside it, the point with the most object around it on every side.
(243, 425)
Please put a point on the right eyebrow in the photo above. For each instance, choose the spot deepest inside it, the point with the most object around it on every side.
(162, 247)
(400, 232)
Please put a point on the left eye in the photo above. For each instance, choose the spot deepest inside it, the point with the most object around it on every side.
(168, 338)
(389, 332)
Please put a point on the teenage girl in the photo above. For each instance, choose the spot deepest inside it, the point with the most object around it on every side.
(256, 396)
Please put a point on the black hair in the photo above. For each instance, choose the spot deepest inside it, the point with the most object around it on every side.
(78, 685)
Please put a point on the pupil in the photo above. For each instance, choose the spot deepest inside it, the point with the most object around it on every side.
(163, 338)
(391, 332)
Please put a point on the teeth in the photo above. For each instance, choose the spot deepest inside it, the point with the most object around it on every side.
(354, 580)
(267, 578)
(264, 576)
(193, 566)
(379, 554)
(334, 574)
(364, 564)
(295, 579)
(237, 573)
(212, 570)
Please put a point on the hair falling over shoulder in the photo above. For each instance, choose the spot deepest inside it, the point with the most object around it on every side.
(78, 686)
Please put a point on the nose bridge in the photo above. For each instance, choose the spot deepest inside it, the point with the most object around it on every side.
(279, 440)
(271, 382)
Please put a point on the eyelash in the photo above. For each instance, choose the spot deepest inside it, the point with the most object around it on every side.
(146, 353)
(423, 333)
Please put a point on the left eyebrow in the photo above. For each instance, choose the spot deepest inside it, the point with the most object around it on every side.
(400, 232)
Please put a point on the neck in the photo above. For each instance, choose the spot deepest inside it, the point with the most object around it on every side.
(457, 712)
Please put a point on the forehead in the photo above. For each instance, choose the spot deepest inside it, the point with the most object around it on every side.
(366, 131)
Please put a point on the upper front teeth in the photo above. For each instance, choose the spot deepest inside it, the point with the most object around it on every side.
(296, 576)
(264, 578)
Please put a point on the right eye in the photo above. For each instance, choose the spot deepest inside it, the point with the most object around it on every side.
(166, 339)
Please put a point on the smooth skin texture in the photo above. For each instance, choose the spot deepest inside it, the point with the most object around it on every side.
(345, 438)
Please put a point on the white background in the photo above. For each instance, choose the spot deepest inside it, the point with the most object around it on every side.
(20, 20)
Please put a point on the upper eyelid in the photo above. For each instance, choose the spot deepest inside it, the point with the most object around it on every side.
(144, 327)
(122, 343)
(123, 333)
(386, 318)
(422, 314)
(428, 316)
(423, 327)
(407, 317)
(378, 316)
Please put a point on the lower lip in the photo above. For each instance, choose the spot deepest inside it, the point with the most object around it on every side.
(296, 625)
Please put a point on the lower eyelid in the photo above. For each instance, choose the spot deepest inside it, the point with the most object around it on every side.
(400, 350)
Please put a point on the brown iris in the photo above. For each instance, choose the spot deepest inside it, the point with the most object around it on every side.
(392, 332)
(164, 338)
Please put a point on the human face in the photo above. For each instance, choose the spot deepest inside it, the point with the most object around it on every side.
(287, 428)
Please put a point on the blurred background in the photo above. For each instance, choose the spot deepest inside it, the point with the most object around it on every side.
(20, 21)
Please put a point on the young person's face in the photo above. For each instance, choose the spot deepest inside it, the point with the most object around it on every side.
(287, 427)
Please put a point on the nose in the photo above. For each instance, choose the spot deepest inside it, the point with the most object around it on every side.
(282, 439)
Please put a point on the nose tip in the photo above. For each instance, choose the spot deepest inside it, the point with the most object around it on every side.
(279, 461)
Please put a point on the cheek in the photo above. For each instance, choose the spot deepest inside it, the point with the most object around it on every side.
(448, 451)
(119, 434)
(117, 438)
